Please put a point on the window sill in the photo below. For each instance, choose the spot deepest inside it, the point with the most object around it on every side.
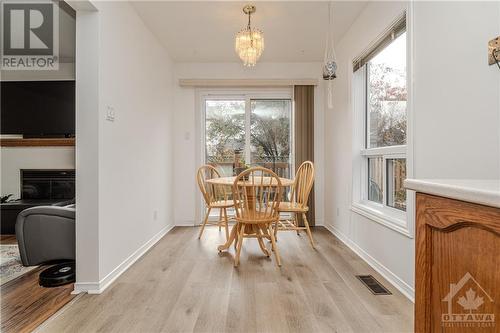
(381, 216)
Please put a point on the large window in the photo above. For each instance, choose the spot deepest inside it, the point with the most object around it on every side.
(380, 102)
(248, 130)
(386, 98)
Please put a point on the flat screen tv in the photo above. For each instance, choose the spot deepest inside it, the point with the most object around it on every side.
(38, 108)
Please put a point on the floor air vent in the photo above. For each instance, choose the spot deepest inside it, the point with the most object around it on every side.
(375, 287)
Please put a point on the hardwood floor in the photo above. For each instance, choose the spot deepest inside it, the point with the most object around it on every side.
(24, 304)
(8, 239)
(183, 284)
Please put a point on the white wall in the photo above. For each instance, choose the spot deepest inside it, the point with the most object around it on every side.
(186, 150)
(16, 158)
(390, 249)
(456, 117)
(87, 147)
(134, 153)
(457, 94)
(135, 156)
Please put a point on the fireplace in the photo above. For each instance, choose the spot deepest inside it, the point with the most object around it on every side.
(47, 184)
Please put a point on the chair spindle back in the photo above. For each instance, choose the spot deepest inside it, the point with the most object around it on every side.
(211, 193)
(257, 195)
(303, 183)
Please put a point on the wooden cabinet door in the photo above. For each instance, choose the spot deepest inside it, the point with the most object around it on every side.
(457, 281)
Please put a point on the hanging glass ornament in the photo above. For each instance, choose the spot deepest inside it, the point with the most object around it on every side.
(330, 62)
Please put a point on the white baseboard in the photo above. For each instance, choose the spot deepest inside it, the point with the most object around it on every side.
(392, 278)
(86, 287)
(319, 223)
(99, 287)
(185, 224)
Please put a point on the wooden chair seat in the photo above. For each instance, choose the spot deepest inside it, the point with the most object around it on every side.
(255, 217)
(222, 204)
(292, 207)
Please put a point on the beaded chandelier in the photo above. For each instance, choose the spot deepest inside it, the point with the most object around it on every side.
(249, 41)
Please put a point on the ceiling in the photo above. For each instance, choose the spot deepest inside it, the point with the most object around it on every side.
(204, 31)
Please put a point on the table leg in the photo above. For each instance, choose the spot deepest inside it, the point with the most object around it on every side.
(230, 240)
(260, 234)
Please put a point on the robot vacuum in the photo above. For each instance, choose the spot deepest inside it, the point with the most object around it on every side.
(58, 275)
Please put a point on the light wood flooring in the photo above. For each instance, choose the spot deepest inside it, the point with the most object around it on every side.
(183, 284)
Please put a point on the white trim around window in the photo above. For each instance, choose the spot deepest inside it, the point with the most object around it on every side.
(397, 220)
(244, 94)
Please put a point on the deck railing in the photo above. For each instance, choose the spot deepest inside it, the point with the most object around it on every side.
(282, 169)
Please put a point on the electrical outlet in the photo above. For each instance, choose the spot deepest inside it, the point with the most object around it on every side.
(338, 212)
(494, 48)
(155, 215)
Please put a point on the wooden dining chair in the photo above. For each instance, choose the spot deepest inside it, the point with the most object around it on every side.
(299, 195)
(257, 193)
(215, 198)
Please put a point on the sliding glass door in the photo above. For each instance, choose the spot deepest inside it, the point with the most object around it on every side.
(270, 135)
(249, 131)
(224, 133)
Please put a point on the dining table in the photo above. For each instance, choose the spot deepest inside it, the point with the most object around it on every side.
(228, 182)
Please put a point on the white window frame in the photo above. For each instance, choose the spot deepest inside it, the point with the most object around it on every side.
(202, 95)
(393, 218)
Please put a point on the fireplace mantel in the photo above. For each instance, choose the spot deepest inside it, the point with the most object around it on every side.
(19, 142)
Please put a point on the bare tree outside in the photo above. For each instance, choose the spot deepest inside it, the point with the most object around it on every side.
(224, 130)
(387, 105)
(269, 145)
(270, 134)
(387, 126)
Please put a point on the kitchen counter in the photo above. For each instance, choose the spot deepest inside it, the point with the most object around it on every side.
(479, 191)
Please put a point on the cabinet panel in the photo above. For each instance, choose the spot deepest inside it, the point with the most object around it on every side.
(457, 266)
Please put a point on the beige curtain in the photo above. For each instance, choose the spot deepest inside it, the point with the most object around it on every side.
(304, 135)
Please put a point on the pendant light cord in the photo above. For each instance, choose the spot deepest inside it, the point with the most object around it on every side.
(329, 33)
(249, 28)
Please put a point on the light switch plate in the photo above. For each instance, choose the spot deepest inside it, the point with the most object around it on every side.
(110, 113)
(493, 45)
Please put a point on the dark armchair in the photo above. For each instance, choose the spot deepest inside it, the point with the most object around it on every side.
(46, 233)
